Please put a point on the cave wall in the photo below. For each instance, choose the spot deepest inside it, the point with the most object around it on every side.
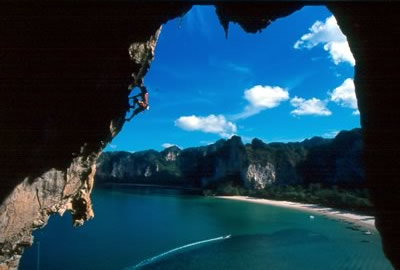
(64, 75)
(372, 31)
(64, 72)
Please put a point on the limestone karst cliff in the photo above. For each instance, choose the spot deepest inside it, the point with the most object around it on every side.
(53, 133)
(256, 165)
(64, 73)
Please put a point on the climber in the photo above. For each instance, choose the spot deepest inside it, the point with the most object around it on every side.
(142, 104)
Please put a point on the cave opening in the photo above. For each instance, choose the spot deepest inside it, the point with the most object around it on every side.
(209, 83)
(198, 72)
(205, 97)
(63, 79)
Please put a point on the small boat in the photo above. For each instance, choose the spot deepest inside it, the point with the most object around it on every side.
(312, 217)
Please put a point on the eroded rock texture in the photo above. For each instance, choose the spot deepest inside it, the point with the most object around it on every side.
(64, 76)
(64, 72)
(254, 166)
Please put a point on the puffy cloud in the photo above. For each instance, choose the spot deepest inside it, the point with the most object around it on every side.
(340, 52)
(313, 106)
(329, 34)
(261, 98)
(345, 95)
(266, 96)
(216, 124)
(168, 145)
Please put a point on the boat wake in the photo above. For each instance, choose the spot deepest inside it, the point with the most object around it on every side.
(158, 257)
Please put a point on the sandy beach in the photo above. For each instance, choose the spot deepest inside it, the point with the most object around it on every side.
(362, 220)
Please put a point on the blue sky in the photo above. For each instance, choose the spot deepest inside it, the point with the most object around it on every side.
(289, 82)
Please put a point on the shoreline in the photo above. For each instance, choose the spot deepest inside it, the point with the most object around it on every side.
(116, 184)
(362, 220)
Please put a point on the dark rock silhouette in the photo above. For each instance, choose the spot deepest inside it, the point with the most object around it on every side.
(327, 161)
(64, 74)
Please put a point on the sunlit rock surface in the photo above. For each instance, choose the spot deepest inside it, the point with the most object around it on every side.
(261, 176)
(328, 161)
(65, 69)
(64, 85)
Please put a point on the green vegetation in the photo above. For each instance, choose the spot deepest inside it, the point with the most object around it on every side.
(340, 198)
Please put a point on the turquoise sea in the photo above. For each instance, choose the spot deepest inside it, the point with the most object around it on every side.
(163, 229)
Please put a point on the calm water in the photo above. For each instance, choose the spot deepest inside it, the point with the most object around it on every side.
(144, 229)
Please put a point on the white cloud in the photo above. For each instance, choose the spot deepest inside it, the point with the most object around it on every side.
(261, 98)
(313, 106)
(331, 134)
(112, 146)
(216, 124)
(329, 34)
(266, 96)
(168, 145)
(345, 95)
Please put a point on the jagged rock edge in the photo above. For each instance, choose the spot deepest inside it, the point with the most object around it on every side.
(76, 181)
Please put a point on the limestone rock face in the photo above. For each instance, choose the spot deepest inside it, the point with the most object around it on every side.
(171, 153)
(260, 176)
(225, 161)
(28, 207)
(330, 161)
(48, 161)
(64, 73)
